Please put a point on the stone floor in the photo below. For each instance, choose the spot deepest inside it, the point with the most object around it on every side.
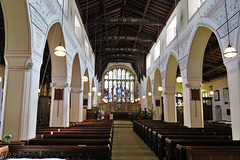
(127, 145)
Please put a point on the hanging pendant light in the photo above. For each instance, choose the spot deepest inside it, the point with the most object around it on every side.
(94, 89)
(229, 51)
(60, 51)
(99, 94)
(149, 93)
(160, 88)
(84, 78)
(143, 96)
(179, 79)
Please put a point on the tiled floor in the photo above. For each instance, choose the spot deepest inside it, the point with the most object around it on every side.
(127, 145)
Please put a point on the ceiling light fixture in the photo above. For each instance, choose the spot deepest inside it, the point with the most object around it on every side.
(149, 93)
(229, 51)
(85, 78)
(60, 51)
(160, 88)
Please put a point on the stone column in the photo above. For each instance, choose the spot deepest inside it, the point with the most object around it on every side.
(169, 105)
(76, 105)
(192, 102)
(59, 114)
(233, 75)
(20, 97)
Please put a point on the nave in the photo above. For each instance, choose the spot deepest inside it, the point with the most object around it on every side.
(127, 145)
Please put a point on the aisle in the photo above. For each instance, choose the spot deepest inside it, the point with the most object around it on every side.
(127, 145)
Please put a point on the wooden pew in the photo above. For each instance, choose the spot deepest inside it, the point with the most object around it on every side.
(207, 152)
(160, 148)
(87, 142)
(76, 136)
(66, 152)
(171, 144)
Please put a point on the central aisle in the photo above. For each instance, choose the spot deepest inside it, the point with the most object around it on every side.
(127, 145)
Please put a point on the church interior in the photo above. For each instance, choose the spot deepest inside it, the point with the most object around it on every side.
(120, 79)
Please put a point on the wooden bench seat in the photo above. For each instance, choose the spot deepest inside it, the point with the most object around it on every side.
(75, 132)
(67, 152)
(88, 142)
(159, 148)
(207, 152)
(171, 144)
(76, 136)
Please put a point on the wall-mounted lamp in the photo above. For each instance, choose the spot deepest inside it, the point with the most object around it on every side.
(211, 93)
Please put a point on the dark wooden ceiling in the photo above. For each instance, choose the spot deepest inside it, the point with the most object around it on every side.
(213, 66)
(124, 30)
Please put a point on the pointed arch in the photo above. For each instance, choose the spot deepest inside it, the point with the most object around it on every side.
(171, 70)
(76, 73)
(59, 65)
(157, 82)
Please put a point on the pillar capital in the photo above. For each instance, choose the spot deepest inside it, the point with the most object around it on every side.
(169, 91)
(76, 89)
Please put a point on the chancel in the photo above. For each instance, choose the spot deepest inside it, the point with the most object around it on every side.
(120, 79)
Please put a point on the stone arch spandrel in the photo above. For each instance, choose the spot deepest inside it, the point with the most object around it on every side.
(17, 27)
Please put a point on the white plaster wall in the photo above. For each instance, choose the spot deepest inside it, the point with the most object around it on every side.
(219, 84)
(212, 16)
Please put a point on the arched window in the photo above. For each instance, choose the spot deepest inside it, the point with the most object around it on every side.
(119, 85)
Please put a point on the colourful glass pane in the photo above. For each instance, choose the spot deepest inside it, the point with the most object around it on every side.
(123, 74)
(128, 91)
(132, 91)
(110, 74)
(106, 90)
(110, 91)
(115, 74)
(119, 74)
(106, 76)
(131, 77)
(119, 92)
(114, 91)
(127, 75)
(123, 91)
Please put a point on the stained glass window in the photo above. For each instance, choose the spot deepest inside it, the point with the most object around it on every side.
(119, 85)
(114, 91)
(119, 91)
(110, 91)
(106, 90)
(119, 74)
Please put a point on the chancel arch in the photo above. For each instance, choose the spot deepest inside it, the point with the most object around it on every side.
(119, 86)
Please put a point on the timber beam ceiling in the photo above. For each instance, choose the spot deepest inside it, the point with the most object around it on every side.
(128, 27)
(129, 21)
